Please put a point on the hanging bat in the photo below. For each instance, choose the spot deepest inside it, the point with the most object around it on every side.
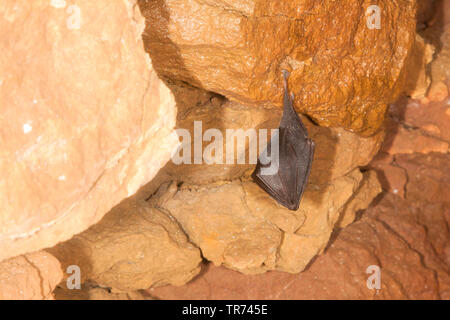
(289, 172)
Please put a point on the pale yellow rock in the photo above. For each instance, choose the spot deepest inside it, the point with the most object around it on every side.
(419, 79)
(337, 151)
(240, 226)
(234, 222)
(133, 247)
(85, 121)
(218, 221)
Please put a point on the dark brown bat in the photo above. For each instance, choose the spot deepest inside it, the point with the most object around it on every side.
(285, 179)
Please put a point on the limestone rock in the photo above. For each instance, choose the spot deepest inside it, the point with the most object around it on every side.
(32, 276)
(84, 121)
(410, 245)
(337, 153)
(239, 226)
(238, 49)
(222, 116)
(419, 79)
(235, 223)
(133, 247)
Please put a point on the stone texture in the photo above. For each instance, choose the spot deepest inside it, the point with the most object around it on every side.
(404, 231)
(238, 225)
(410, 140)
(438, 33)
(438, 92)
(391, 176)
(133, 247)
(408, 239)
(414, 127)
(233, 221)
(337, 153)
(362, 198)
(439, 68)
(238, 49)
(32, 276)
(431, 119)
(84, 121)
(419, 79)
(426, 10)
(90, 291)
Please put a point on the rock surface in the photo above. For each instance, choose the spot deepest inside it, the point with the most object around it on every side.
(238, 49)
(90, 291)
(84, 121)
(419, 78)
(404, 231)
(414, 127)
(134, 246)
(231, 220)
(32, 276)
(236, 224)
(337, 153)
(407, 238)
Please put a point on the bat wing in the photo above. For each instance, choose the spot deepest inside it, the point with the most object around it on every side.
(287, 183)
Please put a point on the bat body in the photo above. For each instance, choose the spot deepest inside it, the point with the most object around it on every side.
(295, 153)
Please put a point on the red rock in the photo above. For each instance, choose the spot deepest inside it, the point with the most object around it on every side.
(392, 178)
(438, 92)
(404, 139)
(430, 120)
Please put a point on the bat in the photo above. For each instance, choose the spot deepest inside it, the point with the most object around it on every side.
(290, 169)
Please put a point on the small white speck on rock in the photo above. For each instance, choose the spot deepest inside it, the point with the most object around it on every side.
(27, 128)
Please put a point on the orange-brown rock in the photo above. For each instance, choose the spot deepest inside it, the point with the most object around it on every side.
(343, 72)
(426, 9)
(84, 120)
(32, 276)
(133, 247)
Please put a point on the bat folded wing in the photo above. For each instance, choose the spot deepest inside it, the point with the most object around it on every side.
(287, 182)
